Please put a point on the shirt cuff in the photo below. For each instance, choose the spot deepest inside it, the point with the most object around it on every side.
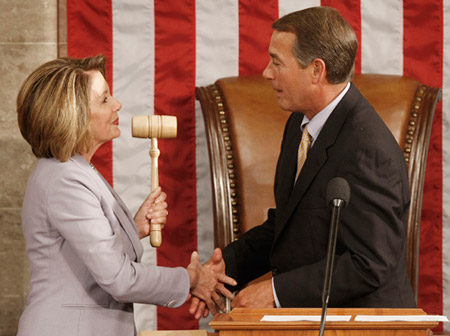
(277, 303)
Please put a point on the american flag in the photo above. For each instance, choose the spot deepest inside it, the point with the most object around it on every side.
(159, 50)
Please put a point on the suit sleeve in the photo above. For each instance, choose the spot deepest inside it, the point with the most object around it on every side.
(75, 210)
(248, 258)
(371, 236)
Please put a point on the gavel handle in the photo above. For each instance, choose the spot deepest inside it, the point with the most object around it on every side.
(155, 229)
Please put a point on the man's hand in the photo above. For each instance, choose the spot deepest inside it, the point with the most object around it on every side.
(258, 295)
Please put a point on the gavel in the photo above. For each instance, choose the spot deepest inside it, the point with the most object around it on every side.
(154, 127)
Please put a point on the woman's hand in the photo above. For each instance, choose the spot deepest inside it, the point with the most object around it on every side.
(206, 284)
(198, 307)
(153, 210)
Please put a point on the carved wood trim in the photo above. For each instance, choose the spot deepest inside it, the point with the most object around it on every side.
(415, 152)
(223, 173)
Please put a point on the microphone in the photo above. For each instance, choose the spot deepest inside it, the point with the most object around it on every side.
(338, 196)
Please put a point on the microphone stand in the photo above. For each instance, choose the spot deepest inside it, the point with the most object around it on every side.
(337, 203)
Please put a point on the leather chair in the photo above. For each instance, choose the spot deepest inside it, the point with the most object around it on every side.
(244, 127)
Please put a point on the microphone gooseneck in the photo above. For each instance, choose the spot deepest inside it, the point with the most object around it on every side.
(338, 196)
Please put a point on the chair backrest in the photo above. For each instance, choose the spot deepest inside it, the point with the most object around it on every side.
(244, 126)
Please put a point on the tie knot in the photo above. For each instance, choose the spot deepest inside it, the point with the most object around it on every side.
(306, 137)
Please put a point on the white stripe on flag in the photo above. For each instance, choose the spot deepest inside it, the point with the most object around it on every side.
(217, 55)
(288, 6)
(217, 45)
(382, 36)
(446, 164)
(133, 75)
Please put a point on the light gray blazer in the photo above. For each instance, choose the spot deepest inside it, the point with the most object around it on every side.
(84, 251)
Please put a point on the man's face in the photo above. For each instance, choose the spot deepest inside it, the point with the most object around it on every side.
(291, 82)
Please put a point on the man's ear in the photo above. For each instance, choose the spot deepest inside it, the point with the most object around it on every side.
(319, 70)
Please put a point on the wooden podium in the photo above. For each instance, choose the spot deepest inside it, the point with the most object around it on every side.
(247, 322)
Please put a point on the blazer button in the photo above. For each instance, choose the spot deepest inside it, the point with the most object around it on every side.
(171, 304)
(274, 271)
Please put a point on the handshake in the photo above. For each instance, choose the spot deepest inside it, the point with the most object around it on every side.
(207, 281)
(207, 285)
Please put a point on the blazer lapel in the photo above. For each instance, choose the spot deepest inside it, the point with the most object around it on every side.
(317, 157)
(126, 220)
(122, 213)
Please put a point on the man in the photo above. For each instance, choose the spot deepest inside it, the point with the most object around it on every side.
(312, 54)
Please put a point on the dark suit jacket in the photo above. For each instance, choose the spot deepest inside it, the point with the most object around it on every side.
(370, 265)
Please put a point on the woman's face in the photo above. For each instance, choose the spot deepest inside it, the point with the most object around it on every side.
(104, 110)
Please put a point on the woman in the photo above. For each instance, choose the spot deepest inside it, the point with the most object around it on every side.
(82, 243)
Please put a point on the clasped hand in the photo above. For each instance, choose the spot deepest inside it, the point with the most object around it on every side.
(200, 307)
(257, 294)
(207, 285)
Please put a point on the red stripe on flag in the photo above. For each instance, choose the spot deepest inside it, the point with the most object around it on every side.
(255, 30)
(175, 95)
(89, 32)
(423, 57)
(351, 11)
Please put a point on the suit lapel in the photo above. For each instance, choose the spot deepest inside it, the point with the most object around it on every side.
(287, 196)
(316, 158)
(287, 164)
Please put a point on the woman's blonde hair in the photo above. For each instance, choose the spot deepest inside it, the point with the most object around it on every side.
(53, 107)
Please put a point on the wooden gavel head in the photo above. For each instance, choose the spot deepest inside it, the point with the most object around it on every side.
(154, 126)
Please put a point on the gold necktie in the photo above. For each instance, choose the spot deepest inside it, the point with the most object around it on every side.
(303, 148)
